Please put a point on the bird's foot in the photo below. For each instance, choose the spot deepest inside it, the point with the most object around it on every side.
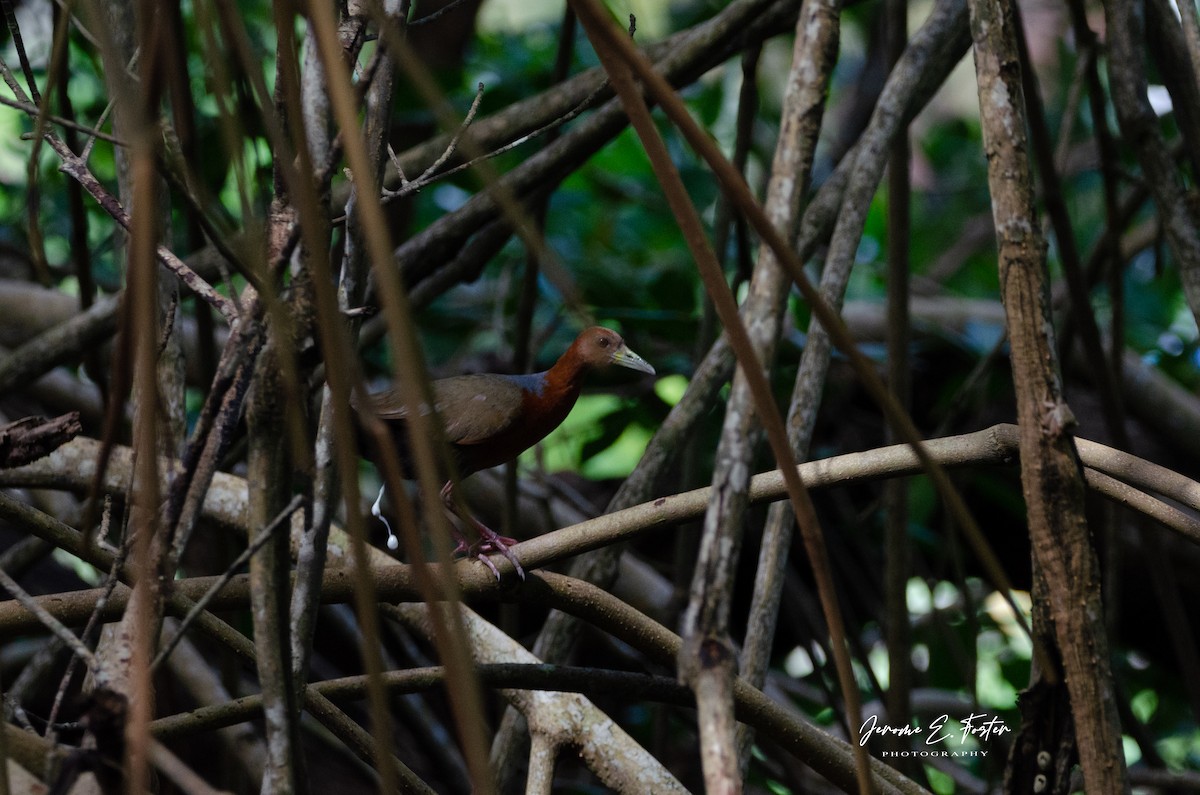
(491, 543)
(486, 546)
(485, 560)
(501, 544)
(489, 540)
(497, 544)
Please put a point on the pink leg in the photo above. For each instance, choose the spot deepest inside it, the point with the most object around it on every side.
(489, 540)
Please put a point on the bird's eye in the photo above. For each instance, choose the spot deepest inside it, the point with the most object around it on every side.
(604, 342)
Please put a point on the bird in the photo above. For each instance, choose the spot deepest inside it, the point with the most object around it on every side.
(491, 418)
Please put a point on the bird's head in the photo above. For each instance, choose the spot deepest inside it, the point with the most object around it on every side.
(600, 347)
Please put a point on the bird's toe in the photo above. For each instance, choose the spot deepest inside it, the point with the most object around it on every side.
(487, 562)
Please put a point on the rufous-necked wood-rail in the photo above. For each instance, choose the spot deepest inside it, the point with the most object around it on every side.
(491, 419)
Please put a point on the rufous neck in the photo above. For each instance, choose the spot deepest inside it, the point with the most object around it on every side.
(569, 370)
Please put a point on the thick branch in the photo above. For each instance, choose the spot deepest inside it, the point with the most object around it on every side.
(1065, 566)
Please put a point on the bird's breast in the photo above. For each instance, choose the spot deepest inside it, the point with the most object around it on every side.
(542, 408)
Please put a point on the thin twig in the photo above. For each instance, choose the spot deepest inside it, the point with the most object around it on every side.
(202, 603)
(433, 16)
(86, 154)
(46, 619)
(429, 176)
(423, 180)
(462, 128)
(110, 584)
(76, 168)
(62, 122)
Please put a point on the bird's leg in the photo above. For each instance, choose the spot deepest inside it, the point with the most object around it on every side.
(463, 547)
(489, 539)
(483, 546)
(377, 512)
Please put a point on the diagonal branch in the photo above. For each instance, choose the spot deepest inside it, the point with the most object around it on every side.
(77, 169)
(706, 659)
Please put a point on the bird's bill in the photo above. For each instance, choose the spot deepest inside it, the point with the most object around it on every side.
(624, 357)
